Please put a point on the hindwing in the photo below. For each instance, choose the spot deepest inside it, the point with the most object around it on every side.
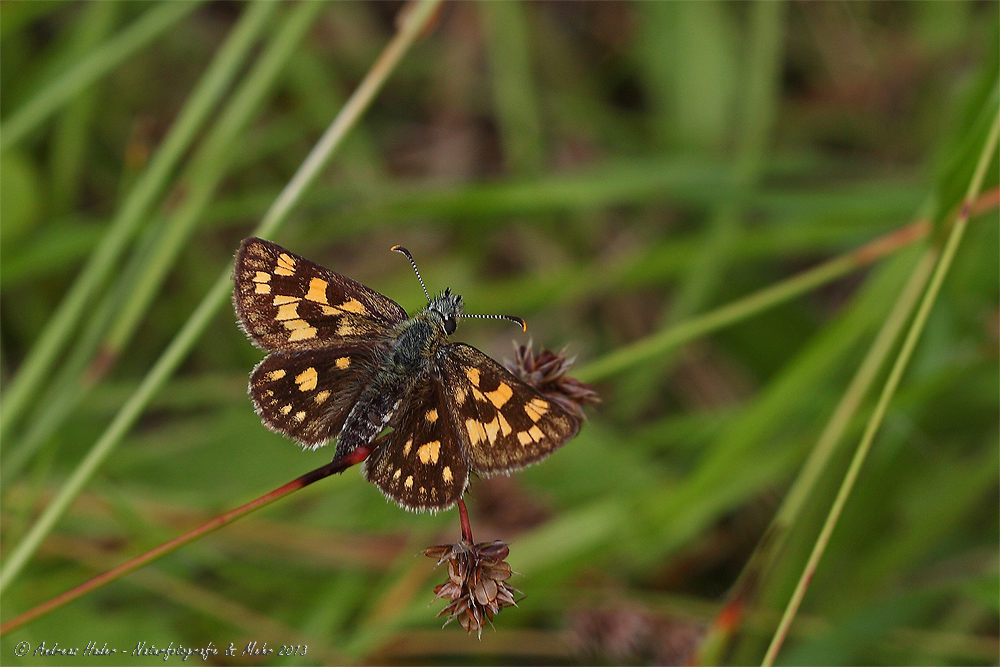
(503, 423)
(285, 302)
(420, 464)
(308, 395)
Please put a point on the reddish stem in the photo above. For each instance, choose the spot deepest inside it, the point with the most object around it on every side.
(334, 467)
(463, 514)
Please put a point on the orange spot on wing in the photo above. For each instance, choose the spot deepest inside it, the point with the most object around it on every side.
(285, 265)
(307, 379)
(500, 395)
(317, 290)
(288, 311)
(428, 453)
(353, 306)
(476, 431)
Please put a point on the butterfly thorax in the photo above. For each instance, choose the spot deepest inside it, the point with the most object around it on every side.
(410, 351)
(416, 340)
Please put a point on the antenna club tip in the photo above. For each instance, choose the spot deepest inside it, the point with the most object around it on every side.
(398, 248)
(524, 325)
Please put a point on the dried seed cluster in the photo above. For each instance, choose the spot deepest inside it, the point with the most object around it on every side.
(477, 586)
(546, 372)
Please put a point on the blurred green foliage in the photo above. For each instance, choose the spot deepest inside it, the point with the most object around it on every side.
(604, 170)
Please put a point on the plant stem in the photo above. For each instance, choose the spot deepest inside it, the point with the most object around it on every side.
(336, 466)
(463, 515)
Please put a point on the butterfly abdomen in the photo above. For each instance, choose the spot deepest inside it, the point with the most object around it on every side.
(370, 415)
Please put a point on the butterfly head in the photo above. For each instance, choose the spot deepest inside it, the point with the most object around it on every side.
(449, 306)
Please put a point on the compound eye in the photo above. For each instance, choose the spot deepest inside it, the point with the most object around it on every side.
(449, 325)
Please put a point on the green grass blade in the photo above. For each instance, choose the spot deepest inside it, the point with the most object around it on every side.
(219, 294)
(656, 344)
(63, 323)
(142, 278)
(206, 171)
(514, 85)
(771, 546)
(725, 229)
(84, 73)
(888, 391)
(70, 134)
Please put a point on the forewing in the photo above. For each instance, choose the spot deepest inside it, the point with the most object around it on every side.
(420, 465)
(503, 423)
(308, 395)
(285, 302)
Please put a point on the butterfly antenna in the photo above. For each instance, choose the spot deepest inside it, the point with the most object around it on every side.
(511, 318)
(401, 249)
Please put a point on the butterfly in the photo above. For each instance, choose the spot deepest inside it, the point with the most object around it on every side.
(347, 362)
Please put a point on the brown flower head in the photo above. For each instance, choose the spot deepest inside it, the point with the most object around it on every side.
(477, 586)
(546, 372)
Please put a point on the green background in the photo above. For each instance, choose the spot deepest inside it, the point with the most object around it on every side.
(605, 171)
